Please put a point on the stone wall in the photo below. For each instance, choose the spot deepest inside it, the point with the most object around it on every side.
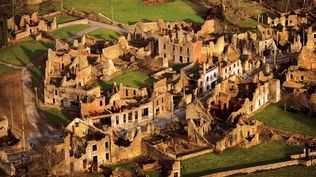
(119, 153)
(76, 22)
(256, 168)
(4, 126)
(157, 154)
(5, 165)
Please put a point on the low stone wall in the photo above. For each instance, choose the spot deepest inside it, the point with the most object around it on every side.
(194, 154)
(156, 154)
(256, 168)
(302, 155)
(51, 14)
(76, 22)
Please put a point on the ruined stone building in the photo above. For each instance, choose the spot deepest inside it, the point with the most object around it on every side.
(205, 131)
(87, 148)
(180, 47)
(300, 75)
(229, 69)
(67, 77)
(29, 25)
(128, 107)
(4, 126)
(291, 19)
(265, 41)
(209, 78)
(243, 97)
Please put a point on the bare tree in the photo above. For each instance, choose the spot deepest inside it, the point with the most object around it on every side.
(285, 99)
(287, 5)
(305, 102)
(18, 7)
(238, 10)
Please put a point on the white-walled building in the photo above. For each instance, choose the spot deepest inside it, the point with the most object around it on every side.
(229, 69)
(209, 78)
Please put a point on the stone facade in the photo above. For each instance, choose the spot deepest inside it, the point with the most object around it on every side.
(87, 148)
(30, 25)
(181, 47)
(287, 20)
(4, 126)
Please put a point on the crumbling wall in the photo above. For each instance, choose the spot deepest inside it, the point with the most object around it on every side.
(245, 134)
(207, 28)
(97, 106)
(5, 166)
(133, 150)
(76, 22)
(4, 126)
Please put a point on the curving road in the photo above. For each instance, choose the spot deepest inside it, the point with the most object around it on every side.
(93, 25)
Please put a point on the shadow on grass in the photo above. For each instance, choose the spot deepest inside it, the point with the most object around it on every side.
(54, 117)
(199, 9)
(206, 172)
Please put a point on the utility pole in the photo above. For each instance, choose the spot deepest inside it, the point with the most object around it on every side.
(13, 9)
(61, 5)
(112, 11)
(36, 97)
(11, 114)
(23, 131)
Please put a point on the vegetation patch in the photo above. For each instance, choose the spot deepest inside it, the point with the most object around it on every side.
(24, 52)
(69, 31)
(295, 171)
(177, 66)
(6, 69)
(105, 34)
(275, 116)
(268, 152)
(62, 18)
(54, 116)
(132, 11)
(133, 79)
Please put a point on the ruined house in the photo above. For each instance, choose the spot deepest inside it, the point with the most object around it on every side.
(29, 25)
(4, 126)
(298, 76)
(129, 106)
(245, 134)
(209, 77)
(180, 47)
(229, 69)
(87, 148)
(287, 20)
(265, 41)
(199, 123)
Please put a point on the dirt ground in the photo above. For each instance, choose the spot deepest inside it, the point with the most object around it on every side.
(11, 89)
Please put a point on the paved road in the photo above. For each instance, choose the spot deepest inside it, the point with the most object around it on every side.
(93, 25)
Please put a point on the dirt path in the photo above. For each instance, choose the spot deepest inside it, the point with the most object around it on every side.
(11, 65)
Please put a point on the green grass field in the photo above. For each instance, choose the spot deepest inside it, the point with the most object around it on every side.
(268, 152)
(22, 53)
(62, 18)
(54, 116)
(296, 171)
(132, 11)
(276, 117)
(105, 34)
(133, 79)
(5, 69)
(130, 166)
(69, 31)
